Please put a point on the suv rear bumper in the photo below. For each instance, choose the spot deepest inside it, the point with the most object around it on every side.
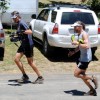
(60, 41)
(99, 40)
(65, 41)
(2, 43)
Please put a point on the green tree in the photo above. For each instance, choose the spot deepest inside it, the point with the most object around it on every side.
(94, 4)
(3, 7)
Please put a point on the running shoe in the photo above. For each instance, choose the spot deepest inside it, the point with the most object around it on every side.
(39, 80)
(95, 81)
(91, 92)
(23, 79)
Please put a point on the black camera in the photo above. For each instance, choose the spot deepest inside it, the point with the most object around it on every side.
(14, 37)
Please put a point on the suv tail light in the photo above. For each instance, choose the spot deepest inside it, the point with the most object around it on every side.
(77, 11)
(99, 29)
(1, 35)
(55, 29)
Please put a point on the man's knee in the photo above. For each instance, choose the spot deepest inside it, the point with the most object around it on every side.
(76, 75)
(30, 62)
(16, 59)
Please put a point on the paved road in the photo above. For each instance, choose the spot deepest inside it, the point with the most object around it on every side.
(55, 87)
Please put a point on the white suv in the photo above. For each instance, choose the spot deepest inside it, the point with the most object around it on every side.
(2, 42)
(53, 28)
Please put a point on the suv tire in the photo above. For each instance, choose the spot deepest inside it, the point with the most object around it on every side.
(1, 53)
(47, 49)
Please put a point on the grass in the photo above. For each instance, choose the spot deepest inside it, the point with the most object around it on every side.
(10, 49)
(8, 65)
(56, 64)
(44, 64)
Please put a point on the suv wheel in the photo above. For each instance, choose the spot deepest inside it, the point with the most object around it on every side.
(1, 53)
(47, 49)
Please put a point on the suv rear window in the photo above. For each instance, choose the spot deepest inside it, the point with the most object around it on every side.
(71, 17)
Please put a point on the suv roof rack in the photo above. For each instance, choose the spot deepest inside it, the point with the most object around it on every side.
(81, 6)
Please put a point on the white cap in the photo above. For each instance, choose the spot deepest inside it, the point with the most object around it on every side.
(76, 24)
(14, 14)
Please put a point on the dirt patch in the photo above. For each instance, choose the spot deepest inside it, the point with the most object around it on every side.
(58, 63)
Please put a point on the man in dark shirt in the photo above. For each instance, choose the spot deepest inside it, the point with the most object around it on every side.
(26, 48)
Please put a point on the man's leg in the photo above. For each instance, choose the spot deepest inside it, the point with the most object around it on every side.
(25, 77)
(31, 63)
(40, 79)
(81, 74)
(18, 56)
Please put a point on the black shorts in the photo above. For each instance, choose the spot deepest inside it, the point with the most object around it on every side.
(82, 65)
(27, 50)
